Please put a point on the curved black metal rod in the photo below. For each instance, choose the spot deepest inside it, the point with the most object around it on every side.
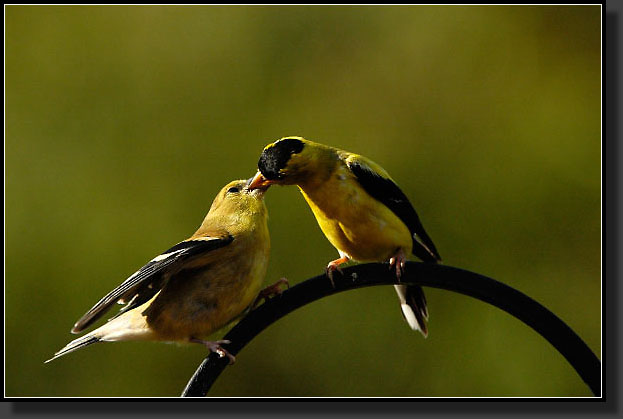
(565, 340)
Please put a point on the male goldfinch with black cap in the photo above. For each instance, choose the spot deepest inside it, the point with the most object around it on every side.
(359, 208)
(197, 286)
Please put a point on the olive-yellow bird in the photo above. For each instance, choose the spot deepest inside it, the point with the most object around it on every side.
(359, 208)
(197, 286)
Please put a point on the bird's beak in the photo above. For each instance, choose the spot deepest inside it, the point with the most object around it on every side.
(259, 182)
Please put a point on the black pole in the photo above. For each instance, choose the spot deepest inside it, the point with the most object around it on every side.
(565, 340)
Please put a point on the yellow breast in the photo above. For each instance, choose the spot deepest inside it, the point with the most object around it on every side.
(354, 222)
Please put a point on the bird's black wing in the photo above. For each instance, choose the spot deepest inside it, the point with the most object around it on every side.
(148, 280)
(386, 191)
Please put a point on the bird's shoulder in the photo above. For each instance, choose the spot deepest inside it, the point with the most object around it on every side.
(375, 180)
(377, 183)
(359, 164)
(208, 233)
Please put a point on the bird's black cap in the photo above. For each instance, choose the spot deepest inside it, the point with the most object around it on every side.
(276, 156)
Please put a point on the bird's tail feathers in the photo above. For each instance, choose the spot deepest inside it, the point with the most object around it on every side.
(76, 344)
(413, 305)
(426, 252)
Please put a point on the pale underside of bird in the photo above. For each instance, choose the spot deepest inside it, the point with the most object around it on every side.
(197, 286)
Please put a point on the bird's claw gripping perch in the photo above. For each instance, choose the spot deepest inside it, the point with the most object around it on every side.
(330, 269)
(215, 346)
(333, 266)
(398, 262)
(271, 291)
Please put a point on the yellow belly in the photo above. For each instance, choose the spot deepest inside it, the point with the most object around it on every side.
(355, 223)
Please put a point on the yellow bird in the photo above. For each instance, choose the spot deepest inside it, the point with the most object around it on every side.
(197, 286)
(359, 208)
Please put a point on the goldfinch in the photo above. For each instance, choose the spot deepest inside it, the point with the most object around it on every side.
(359, 208)
(197, 286)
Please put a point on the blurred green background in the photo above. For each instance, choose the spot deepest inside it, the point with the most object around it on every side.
(122, 123)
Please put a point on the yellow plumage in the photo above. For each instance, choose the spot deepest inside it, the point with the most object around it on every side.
(359, 208)
(354, 223)
(197, 286)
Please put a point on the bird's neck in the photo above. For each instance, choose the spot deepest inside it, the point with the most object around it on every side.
(240, 220)
(318, 172)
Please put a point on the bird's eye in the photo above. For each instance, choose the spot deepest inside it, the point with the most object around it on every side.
(233, 190)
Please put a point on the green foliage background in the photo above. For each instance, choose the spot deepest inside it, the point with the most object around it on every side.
(122, 123)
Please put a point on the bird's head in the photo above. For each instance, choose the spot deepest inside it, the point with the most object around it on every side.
(237, 200)
(287, 161)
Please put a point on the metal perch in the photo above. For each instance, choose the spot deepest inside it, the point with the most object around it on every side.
(565, 340)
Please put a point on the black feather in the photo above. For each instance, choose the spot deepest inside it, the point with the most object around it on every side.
(416, 299)
(150, 274)
(387, 192)
(275, 158)
(75, 345)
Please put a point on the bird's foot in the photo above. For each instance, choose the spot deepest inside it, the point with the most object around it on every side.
(271, 291)
(333, 266)
(398, 262)
(215, 346)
